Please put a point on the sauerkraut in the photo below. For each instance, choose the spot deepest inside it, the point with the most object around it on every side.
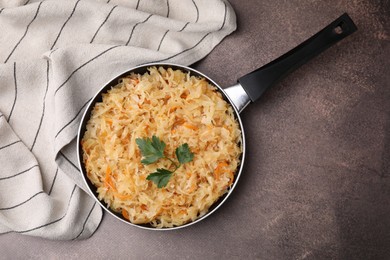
(178, 108)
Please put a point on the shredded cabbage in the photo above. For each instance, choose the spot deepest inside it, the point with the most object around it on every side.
(178, 108)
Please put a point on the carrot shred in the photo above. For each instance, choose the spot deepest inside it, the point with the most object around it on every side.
(166, 98)
(125, 214)
(193, 187)
(183, 212)
(108, 121)
(219, 170)
(108, 180)
(173, 109)
(136, 81)
(189, 126)
(122, 196)
(184, 95)
(177, 123)
(107, 176)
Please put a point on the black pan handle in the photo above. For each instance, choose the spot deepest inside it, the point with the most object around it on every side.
(258, 81)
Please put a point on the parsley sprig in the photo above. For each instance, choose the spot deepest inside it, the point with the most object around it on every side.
(152, 149)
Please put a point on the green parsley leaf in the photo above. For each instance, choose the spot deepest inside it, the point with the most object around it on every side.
(151, 149)
(183, 154)
(160, 178)
(160, 145)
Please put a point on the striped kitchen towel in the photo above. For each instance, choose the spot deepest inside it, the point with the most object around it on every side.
(55, 55)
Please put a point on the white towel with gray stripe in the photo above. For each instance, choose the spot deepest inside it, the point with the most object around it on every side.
(55, 55)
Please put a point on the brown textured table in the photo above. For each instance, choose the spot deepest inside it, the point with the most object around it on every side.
(316, 184)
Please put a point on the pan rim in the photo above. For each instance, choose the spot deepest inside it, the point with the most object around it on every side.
(108, 84)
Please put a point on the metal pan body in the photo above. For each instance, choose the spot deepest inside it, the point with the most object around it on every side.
(249, 88)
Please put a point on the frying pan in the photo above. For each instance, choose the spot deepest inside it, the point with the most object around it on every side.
(248, 89)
